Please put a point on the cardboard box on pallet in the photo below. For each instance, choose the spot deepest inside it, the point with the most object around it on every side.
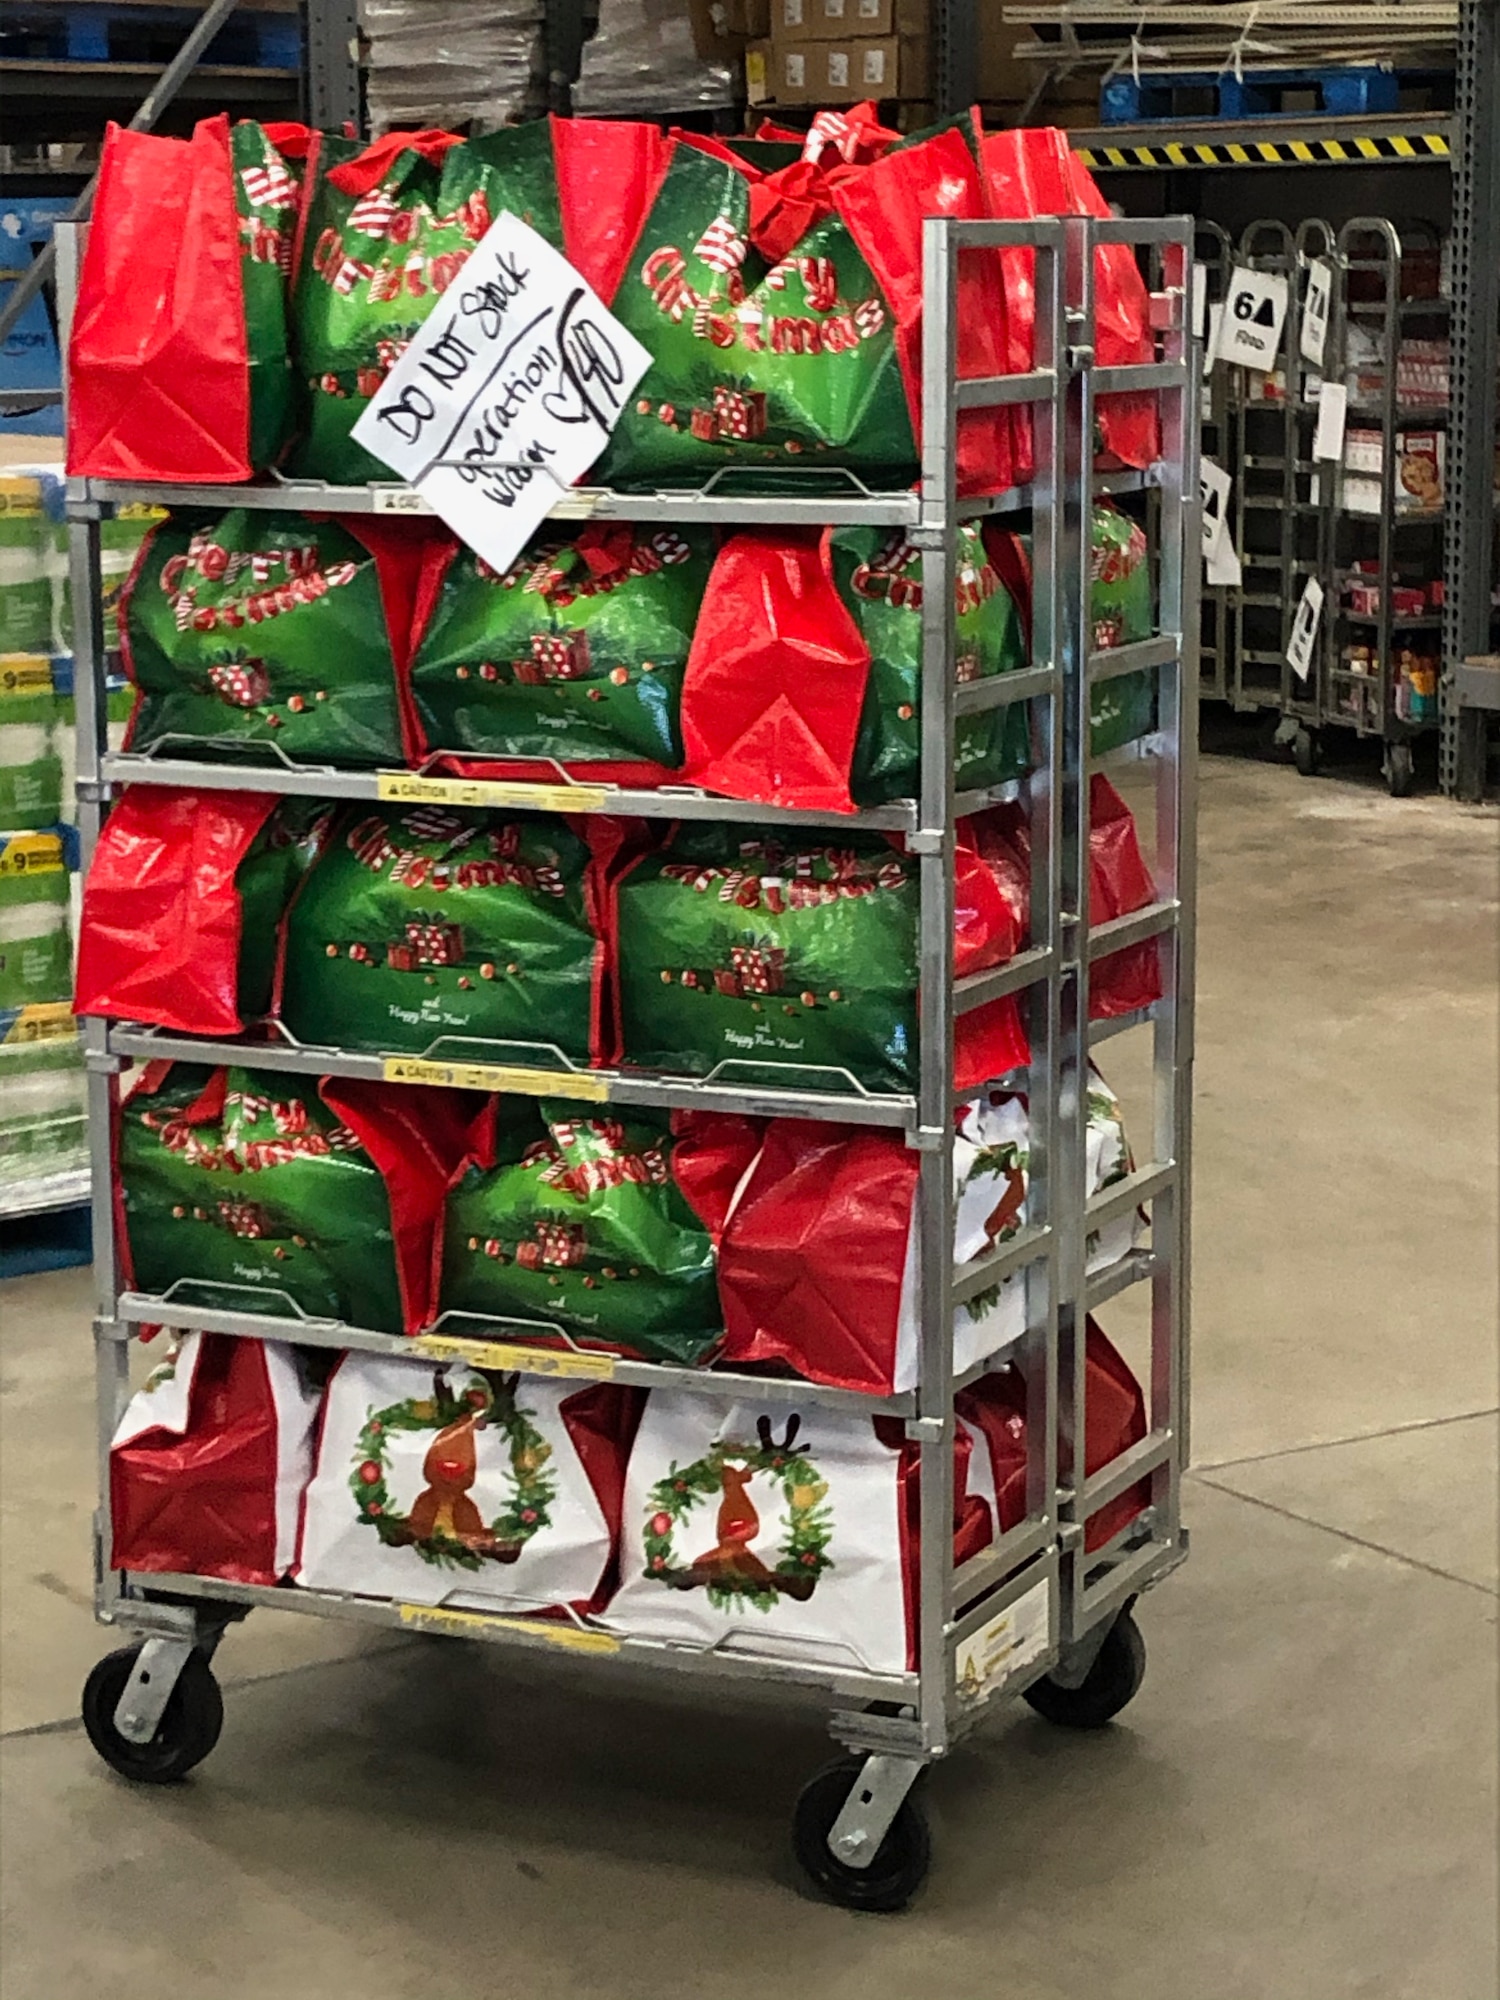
(845, 72)
(795, 21)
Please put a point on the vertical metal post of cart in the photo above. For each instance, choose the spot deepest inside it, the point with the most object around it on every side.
(1098, 1584)
(1310, 512)
(1213, 254)
(1266, 487)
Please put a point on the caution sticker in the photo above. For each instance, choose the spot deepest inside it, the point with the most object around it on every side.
(410, 787)
(1012, 1639)
(587, 1084)
(561, 1363)
(477, 1624)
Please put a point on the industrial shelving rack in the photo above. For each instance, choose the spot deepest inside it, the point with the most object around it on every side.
(1405, 541)
(861, 1836)
(1213, 253)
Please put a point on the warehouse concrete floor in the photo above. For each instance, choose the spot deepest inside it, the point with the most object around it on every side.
(1298, 1806)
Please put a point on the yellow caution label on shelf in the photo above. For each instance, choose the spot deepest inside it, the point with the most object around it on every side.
(509, 1356)
(20, 496)
(410, 787)
(1311, 152)
(498, 1076)
(479, 1624)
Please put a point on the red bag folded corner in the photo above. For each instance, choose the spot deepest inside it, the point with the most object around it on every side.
(158, 361)
(775, 677)
(160, 933)
(1119, 882)
(602, 1421)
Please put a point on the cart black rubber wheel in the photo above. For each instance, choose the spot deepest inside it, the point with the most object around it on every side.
(1400, 770)
(1113, 1680)
(188, 1730)
(901, 1861)
(1305, 752)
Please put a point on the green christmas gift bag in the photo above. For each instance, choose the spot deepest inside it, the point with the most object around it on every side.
(1121, 607)
(278, 1194)
(575, 655)
(423, 925)
(739, 950)
(278, 631)
(388, 229)
(589, 1224)
(35, 959)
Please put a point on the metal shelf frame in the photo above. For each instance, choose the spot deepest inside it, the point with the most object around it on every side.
(1044, 1559)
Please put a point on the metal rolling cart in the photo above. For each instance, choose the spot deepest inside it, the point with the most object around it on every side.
(1309, 510)
(1380, 509)
(1033, 1613)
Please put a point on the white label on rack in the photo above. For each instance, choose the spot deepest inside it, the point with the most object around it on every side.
(1011, 1640)
(1214, 484)
(507, 394)
(1223, 567)
(1313, 336)
(1333, 405)
(1211, 343)
(1254, 314)
(1199, 297)
(398, 500)
(1299, 648)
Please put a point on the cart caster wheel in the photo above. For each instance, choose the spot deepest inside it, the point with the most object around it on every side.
(188, 1730)
(901, 1861)
(1306, 752)
(1113, 1680)
(1400, 770)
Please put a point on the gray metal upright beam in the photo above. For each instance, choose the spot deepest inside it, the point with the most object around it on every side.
(955, 55)
(1469, 539)
(331, 91)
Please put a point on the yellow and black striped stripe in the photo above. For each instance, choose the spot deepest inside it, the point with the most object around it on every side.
(1407, 147)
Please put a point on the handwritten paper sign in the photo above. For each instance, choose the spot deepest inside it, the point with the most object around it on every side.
(1299, 647)
(1312, 336)
(507, 394)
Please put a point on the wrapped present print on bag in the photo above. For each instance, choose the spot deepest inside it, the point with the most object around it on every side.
(424, 924)
(771, 1531)
(452, 1486)
(210, 1461)
(183, 902)
(594, 1226)
(277, 1194)
(272, 629)
(178, 363)
(817, 1261)
(574, 655)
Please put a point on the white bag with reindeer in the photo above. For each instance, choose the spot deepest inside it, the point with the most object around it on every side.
(478, 1490)
(774, 1532)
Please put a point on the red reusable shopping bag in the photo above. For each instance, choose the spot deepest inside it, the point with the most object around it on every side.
(161, 931)
(177, 363)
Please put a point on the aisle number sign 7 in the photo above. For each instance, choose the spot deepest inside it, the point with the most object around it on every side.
(1254, 314)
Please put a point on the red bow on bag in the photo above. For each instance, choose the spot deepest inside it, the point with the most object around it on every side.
(369, 168)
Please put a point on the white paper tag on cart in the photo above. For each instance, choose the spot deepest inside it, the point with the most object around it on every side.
(1254, 314)
(1328, 439)
(1313, 335)
(1214, 484)
(1222, 569)
(1299, 647)
(521, 373)
(1010, 1641)
(1199, 298)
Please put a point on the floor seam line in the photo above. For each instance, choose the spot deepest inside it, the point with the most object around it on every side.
(1344, 1535)
(1355, 1437)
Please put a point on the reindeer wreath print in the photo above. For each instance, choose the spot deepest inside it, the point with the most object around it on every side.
(444, 1525)
(731, 1572)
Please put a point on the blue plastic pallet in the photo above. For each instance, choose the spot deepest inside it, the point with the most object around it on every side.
(55, 1241)
(1148, 100)
(94, 31)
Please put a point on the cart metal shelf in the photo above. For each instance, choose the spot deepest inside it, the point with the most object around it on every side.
(1037, 1612)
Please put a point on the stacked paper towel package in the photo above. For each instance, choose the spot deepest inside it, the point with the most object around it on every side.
(41, 1075)
(770, 281)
